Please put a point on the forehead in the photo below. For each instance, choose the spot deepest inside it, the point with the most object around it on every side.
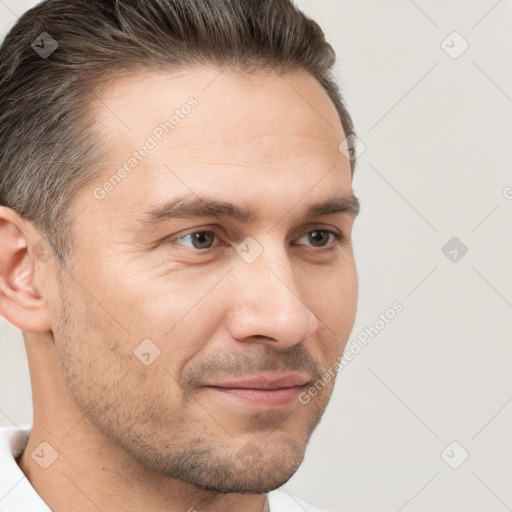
(203, 130)
(132, 103)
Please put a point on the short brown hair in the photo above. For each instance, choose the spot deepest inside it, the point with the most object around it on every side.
(48, 150)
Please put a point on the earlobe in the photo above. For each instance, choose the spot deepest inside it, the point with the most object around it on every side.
(22, 302)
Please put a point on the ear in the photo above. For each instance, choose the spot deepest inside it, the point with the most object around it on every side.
(23, 302)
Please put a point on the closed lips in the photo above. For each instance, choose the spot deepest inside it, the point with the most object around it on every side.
(264, 383)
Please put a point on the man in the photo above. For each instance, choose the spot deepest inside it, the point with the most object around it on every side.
(176, 212)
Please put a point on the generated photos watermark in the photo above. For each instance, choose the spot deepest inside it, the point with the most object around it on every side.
(152, 141)
(354, 347)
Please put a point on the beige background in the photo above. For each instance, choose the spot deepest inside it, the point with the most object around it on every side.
(438, 134)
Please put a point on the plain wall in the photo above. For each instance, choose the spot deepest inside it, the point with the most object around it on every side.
(438, 137)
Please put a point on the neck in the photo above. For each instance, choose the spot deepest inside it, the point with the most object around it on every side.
(70, 472)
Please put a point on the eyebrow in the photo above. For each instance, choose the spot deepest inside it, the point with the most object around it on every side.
(197, 206)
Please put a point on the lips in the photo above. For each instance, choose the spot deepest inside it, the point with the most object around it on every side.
(265, 382)
(263, 392)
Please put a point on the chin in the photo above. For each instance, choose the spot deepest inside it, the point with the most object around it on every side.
(255, 479)
(251, 470)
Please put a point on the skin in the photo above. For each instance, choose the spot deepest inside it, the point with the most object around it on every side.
(133, 437)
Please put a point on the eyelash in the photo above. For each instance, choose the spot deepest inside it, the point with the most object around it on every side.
(338, 239)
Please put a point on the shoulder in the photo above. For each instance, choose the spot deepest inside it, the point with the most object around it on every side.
(281, 501)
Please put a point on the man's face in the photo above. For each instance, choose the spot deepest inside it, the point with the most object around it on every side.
(157, 311)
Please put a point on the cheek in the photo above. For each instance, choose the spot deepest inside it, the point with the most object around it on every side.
(164, 306)
(332, 295)
(132, 314)
(104, 368)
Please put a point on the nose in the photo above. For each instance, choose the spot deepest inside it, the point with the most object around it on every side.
(268, 304)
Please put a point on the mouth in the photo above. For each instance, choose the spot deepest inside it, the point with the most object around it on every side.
(262, 392)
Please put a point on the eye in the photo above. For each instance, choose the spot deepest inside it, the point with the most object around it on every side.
(318, 237)
(199, 239)
(203, 240)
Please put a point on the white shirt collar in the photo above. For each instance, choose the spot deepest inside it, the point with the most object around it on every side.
(16, 492)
